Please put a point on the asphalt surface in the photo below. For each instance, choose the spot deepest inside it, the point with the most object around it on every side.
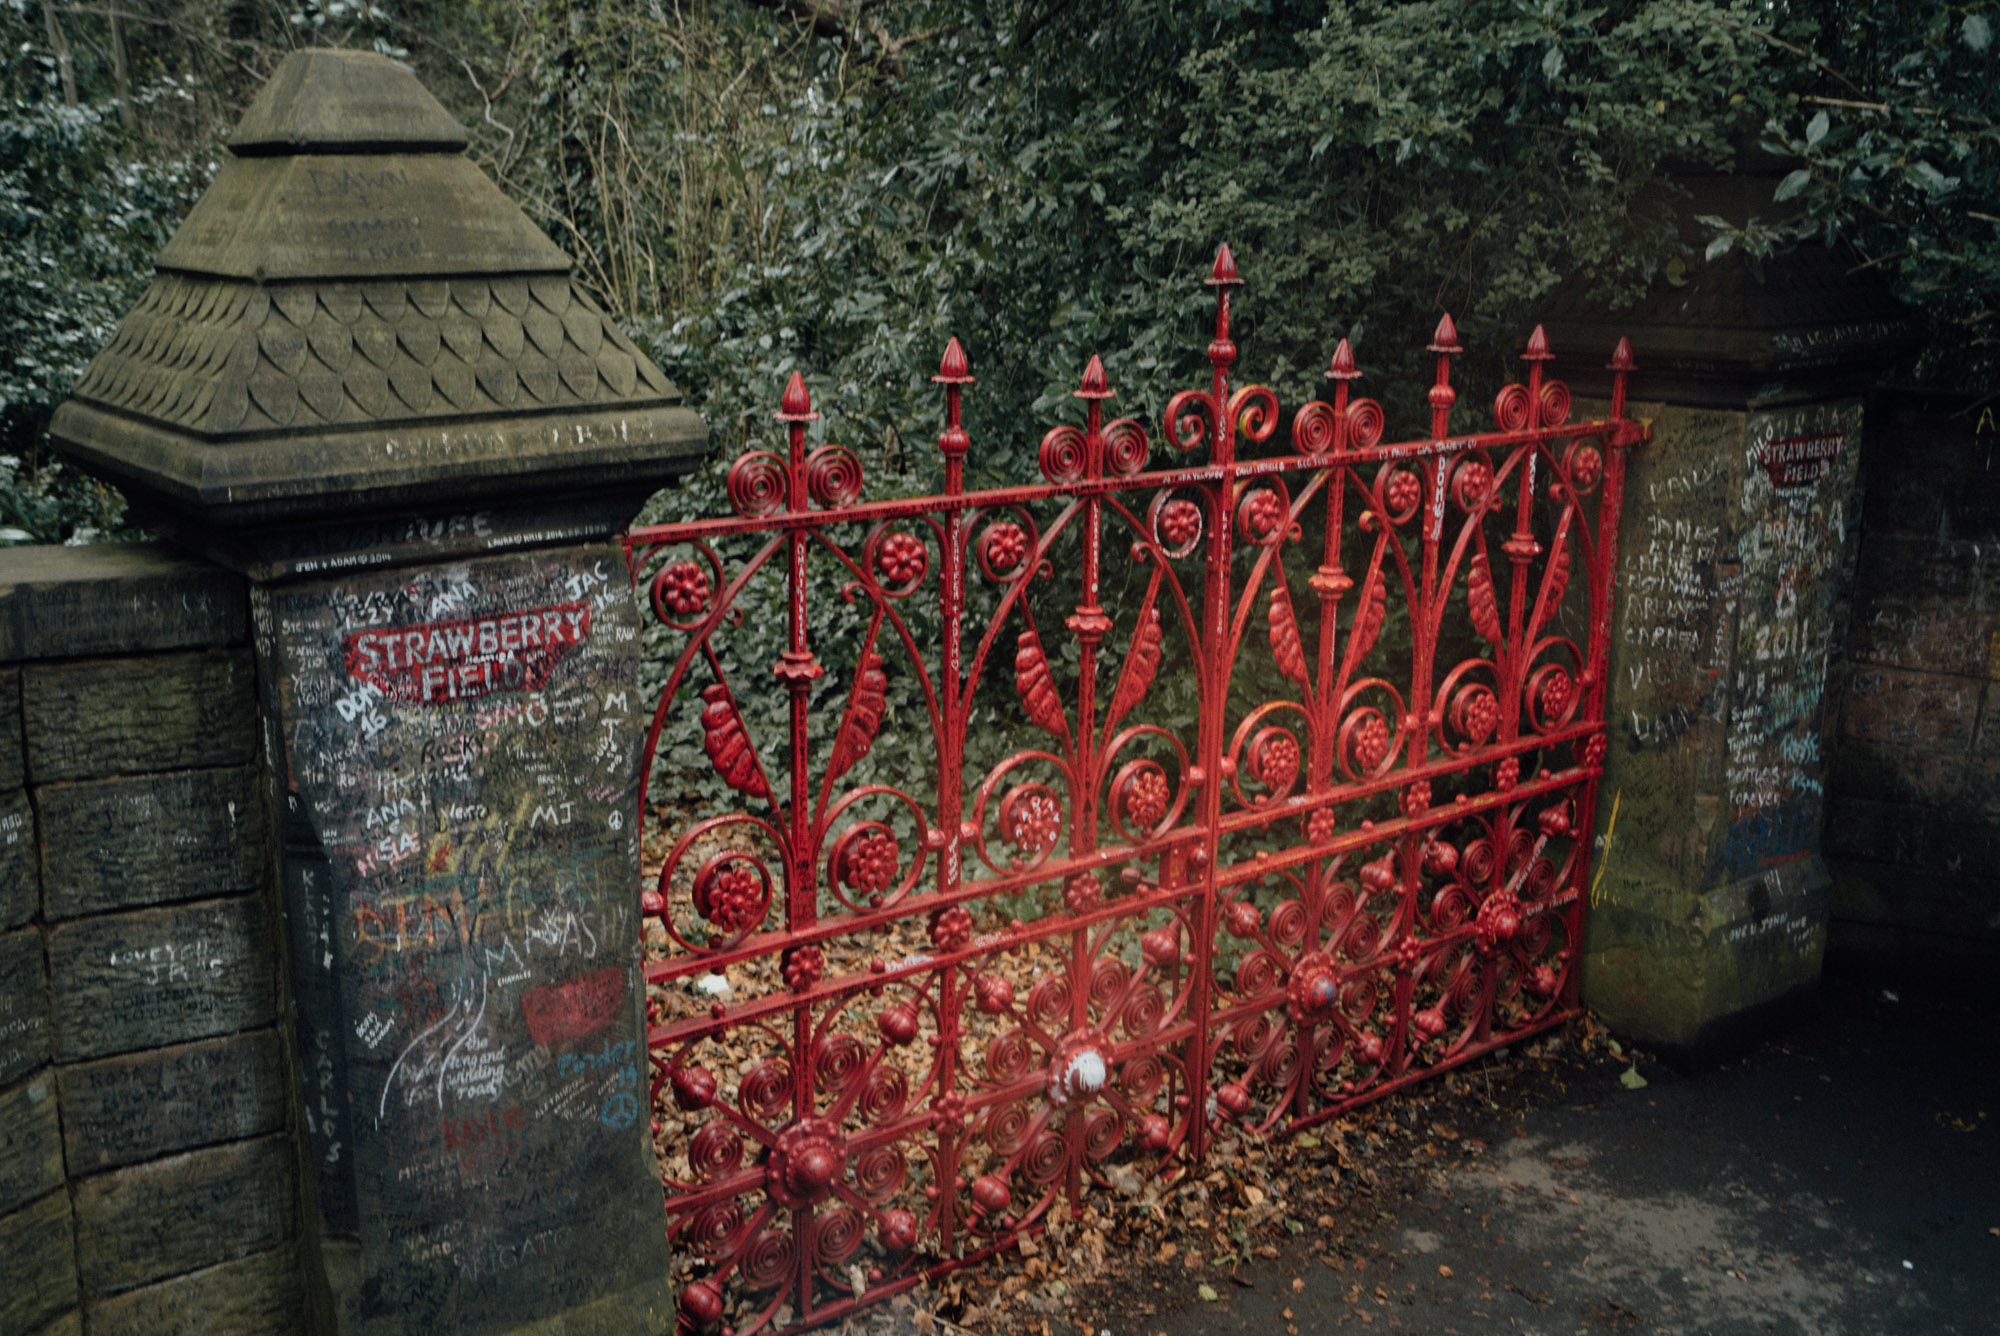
(1843, 1180)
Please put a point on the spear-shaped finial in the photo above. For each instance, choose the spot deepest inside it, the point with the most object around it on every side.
(1094, 384)
(1621, 364)
(1094, 390)
(1224, 272)
(795, 409)
(1536, 354)
(796, 405)
(953, 368)
(1343, 373)
(1222, 353)
(1444, 342)
(954, 373)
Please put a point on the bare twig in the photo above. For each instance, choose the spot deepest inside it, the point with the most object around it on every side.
(1784, 45)
(507, 154)
(59, 48)
(1818, 101)
(823, 17)
(121, 70)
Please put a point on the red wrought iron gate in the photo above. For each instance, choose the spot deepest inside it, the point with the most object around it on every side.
(1325, 834)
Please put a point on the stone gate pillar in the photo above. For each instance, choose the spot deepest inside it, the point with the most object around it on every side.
(1708, 908)
(367, 380)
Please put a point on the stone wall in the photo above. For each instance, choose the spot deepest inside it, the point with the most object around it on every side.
(1913, 823)
(1708, 903)
(147, 1153)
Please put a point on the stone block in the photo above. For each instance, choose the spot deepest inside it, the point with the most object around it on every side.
(121, 843)
(1944, 905)
(1699, 975)
(160, 1219)
(115, 598)
(1909, 835)
(101, 717)
(160, 976)
(1987, 744)
(122, 1110)
(1971, 507)
(20, 879)
(10, 729)
(31, 1161)
(1924, 777)
(37, 1264)
(1949, 638)
(1920, 570)
(1929, 710)
(69, 1324)
(1935, 962)
(24, 1004)
(258, 1295)
(1903, 502)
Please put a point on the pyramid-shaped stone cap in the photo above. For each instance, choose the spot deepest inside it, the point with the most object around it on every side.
(353, 319)
(327, 101)
(346, 167)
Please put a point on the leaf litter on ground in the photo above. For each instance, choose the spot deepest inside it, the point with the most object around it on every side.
(1137, 1243)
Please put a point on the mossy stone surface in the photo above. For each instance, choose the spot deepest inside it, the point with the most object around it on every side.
(1709, 899)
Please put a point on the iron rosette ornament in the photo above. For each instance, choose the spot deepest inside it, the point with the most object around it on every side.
(794, 1170)
(1081, 1068)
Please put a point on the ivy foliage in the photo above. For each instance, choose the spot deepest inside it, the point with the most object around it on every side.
(1898, 153)
(837, 188)
(840, 185)
(79, 222)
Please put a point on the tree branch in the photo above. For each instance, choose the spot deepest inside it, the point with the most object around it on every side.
(823, 18)
(1782, 44)
(834, 19)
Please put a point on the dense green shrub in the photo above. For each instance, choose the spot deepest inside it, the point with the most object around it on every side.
(81, 213)
(839, 187)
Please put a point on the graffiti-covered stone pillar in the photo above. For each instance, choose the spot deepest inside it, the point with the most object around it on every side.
(1708, 911)
(367, 380)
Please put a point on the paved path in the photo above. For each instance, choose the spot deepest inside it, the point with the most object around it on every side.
(1844, 1181)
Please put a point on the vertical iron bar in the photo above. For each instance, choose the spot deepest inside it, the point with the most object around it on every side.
(1423, 625)
(954, 373)
(1330, 581)
(1214, 698)
(1604, 580)
(1088, 623)
(797, 668)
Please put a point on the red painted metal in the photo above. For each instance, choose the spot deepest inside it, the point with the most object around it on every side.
(1339, 852)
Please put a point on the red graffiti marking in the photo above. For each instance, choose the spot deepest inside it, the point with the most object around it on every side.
(1800, 461)
(470, 657)
(461, 1132)
(559, 1012)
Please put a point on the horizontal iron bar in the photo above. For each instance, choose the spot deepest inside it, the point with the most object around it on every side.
(1019, 934)
(901, 508)
(1052, 870)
